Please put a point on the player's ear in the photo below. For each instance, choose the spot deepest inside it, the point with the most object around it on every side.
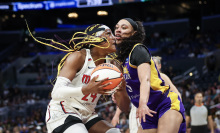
(134, 33)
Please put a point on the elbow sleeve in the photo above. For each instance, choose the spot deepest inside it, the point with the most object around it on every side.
(63, 89)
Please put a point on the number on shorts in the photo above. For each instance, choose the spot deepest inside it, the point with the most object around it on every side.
(94, 95)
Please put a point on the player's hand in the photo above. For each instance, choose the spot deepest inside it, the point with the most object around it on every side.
(188, 130)
(122, 85)
(142, 111)
(95, 87)
(113, 98)
(115, 121)
(119, 88)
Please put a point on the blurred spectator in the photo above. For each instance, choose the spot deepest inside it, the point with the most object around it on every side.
(217, 122)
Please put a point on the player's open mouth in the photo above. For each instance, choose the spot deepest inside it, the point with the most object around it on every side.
(117, 36)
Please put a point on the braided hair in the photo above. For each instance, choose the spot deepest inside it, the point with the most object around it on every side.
(88, 39)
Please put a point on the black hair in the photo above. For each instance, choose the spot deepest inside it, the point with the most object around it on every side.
(198, 93)
(125, 47)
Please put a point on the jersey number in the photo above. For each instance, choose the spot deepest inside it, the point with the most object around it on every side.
(129, 88)
(94, 95)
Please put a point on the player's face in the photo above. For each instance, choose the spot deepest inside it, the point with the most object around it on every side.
(123, 29)
(111, 39)
(198, 98)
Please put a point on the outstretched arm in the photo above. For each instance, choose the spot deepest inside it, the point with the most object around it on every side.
(144, 73)
(115, 119)
(169, 82)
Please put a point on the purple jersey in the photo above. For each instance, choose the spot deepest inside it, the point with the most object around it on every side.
(157, 90)
(161, 99)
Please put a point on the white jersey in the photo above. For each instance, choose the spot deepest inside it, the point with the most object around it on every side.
(80, 106)
(87, 102)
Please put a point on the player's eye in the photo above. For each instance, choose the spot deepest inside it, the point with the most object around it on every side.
(108, 33)
(123, 27)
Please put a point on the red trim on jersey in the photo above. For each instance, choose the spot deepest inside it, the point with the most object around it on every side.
(49, 113)
(61, 103)
(89, 59)
(199, 105)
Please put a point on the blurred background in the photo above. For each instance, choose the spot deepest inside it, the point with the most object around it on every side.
(185, 33)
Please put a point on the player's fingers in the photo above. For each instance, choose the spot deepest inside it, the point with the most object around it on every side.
(151, 111)
(139, 116)
(104, 80)
(94, 78)
(107, 84)
(143, 116)
(113, 123)
(148, 113)
(103, 92)
(120, 84)
(113, 96)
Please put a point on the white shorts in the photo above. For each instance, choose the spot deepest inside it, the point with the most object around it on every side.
(58, 114)
(133, 121)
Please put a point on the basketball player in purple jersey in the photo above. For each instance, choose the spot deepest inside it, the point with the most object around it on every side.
(133, 122)
(158, 109)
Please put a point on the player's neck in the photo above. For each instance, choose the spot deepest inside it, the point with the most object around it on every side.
(98, 55)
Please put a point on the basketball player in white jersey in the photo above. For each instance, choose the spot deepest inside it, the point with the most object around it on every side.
(75, 95)
(133, 122)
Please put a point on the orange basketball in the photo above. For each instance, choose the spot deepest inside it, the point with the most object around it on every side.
(107, 70)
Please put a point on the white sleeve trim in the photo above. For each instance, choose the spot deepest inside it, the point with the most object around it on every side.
(62, 90)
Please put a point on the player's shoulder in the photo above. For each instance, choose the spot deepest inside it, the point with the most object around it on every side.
(140, 48)
(77, 55)
(163, 74)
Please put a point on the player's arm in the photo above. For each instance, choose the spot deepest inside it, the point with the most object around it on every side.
(187, 121)
(144, 73)
(169, 82)
(141, 58)
(211, 125)
(70, 67)
(121, 97)
(67, 73)
(210, 120)
(115, 119)
(121, 94)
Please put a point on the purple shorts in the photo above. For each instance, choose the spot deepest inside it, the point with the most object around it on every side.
(169, 101)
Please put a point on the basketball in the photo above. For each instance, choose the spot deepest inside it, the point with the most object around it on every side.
(107, 70)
